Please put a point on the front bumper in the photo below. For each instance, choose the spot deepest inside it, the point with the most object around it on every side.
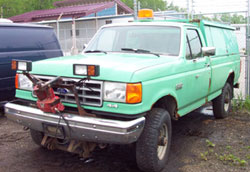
(81, 128)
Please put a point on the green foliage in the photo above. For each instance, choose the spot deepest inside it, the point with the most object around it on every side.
(232, 159)
(16, 7)
(204, 156)
(228, 18)
(155, 5)
(240, 104)
(247, 103)
(171, 6)
(210, 144)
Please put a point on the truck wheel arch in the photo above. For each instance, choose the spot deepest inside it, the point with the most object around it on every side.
(170, 104)
(230, 80)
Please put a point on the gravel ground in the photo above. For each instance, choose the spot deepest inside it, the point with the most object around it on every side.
(200, 143)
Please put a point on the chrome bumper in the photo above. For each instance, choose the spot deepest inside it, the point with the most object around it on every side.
(81, 128)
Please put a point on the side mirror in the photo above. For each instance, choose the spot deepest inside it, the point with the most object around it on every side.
(84, 46)
(208, 51)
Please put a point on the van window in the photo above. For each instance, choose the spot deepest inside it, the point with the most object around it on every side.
(219, 41)
(27, 39)
(194, 44)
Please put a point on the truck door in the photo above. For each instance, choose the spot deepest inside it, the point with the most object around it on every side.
(198, 68)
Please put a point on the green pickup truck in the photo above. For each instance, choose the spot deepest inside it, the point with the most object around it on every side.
(138, 77)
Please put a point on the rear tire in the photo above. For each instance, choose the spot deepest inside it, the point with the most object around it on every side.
(152, 147)
(36, 136)
(222, 105)
(1, 112)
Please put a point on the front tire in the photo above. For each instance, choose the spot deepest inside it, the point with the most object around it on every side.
(222, 105)
(36, 136)
(152, 148)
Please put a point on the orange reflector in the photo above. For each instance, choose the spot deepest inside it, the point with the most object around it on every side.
(146, 13)
(91, 71)
(134, 93)
(16, 81)
(13, 65)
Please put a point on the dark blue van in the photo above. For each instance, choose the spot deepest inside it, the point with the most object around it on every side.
(26, 42)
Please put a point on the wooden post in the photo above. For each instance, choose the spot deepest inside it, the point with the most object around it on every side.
(58, 27)
(74, 50)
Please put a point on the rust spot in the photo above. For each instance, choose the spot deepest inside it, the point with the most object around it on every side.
(195, 21)
(209, 84)
(177, 116)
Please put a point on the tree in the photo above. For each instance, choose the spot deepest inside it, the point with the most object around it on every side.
(15, 7)
(233, 19)
(156, 5)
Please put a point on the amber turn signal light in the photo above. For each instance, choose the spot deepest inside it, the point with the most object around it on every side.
(146, 13)
(16, 81)
(134, 93)
(93, 70)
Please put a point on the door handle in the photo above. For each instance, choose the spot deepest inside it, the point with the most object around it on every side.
(197, 76)
(207, 65)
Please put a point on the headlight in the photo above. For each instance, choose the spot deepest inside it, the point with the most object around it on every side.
(115, 92)
(21, 65)
(130, 93)
(22, 82)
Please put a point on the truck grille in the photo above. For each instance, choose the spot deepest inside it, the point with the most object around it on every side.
(90, 95)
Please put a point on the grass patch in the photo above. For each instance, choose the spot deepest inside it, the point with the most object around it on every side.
(224, 154)
(239, 104)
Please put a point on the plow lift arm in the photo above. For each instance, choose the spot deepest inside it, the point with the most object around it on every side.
(48, 101)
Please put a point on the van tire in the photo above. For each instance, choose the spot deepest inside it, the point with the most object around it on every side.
(222, 105)
(157, 125)
(36, 136)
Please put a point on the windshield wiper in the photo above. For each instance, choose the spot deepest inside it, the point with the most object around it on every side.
(95, 51)
(140, 51)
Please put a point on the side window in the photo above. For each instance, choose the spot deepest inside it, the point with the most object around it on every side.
(188, 53)
(194, 44)
(209, 36)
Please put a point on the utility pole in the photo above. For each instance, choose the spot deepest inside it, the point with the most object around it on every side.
(247, 49)
(135, 9)
(192, 9)
(188, 9)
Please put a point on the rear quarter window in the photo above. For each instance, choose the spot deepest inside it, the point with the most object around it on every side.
(231, 40)
(27, 39)
(219, 41)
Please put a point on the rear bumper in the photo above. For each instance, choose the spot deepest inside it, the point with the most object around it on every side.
(81, 128)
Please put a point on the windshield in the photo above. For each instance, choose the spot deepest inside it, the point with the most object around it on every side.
(155, 39)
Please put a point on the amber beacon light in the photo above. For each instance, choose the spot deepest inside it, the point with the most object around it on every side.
(146, 13)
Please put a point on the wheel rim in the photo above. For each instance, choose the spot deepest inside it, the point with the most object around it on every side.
(162, 142)
(227, 101)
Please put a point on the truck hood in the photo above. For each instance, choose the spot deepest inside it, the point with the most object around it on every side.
(113, 66)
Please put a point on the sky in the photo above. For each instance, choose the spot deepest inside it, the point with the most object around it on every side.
(212, 6)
